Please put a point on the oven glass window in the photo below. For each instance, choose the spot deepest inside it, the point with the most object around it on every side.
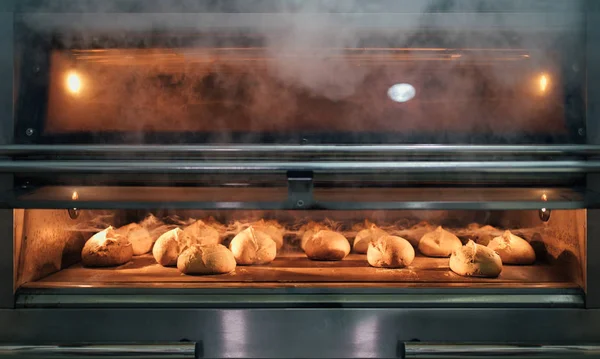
(334, 81)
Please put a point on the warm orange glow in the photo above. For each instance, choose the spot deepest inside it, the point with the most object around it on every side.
(73, 83)
(544, 197)
(75, 196)
(543, 83)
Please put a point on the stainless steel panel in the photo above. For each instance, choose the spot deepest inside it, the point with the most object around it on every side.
(6, 137)
(305, 333)
(449, 351)
(116, 351)
(108, 20)
(279, 151)
(593, 138)
(328, 167)
(261, 6)
(415, 297)
(6, 259)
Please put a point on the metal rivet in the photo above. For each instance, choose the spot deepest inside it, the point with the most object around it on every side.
(581, 132)
(73, 213)
(300, 203)
(544, 214)
(29, 131)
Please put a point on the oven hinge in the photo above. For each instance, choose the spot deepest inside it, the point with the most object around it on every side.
(300, 189)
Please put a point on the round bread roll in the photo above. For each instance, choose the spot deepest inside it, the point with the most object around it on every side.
(106, 248)
(168, 247)
(439, 243)
(138, 236)
(390, 252)
(252, 246)
(474, 260)
(308, 231)
(326, 245)
(364, 237)
(273, 229)
(203, 233)
(512, 249)
(206, 259)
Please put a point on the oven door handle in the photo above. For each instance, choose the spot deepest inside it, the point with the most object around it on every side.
(418, 350)
(179, 350)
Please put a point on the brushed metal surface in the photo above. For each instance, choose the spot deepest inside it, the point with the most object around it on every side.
(306, 333)
(298, 298)
(450, 351)
(116, 351)
(300, 150)
(6, 137)
(593, 138)
(197, 167)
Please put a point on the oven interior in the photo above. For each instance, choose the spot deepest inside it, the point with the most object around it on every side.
(48, 246)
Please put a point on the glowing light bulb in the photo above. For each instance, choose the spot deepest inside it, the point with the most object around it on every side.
(544, 197)
(402, 92)
(75, 196)
(73, 83)
(543, 83)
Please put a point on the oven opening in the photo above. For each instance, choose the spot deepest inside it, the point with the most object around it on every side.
(413, 250)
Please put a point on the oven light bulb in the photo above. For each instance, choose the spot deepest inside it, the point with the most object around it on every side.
(544, 197)
(73, 83)
(75, 196)
(402, 92)
(544, 81)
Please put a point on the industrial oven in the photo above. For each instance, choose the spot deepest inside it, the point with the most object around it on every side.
(467, 118)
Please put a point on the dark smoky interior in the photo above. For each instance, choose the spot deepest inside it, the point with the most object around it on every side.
(236, 90)
(49, 243)
(324, 81)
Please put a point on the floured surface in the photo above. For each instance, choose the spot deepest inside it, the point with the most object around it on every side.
(295, 269)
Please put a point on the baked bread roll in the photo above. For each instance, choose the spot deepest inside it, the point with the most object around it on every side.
(512, 249)
(253, 246)
(308, 231)
(206, 259)
(273, 229)
(439, 243)
(365, 236)
(202, 233)
(138, 236)
(326, 245)
(106, 248)
(474, 260)
(390, 252)
(168, 247)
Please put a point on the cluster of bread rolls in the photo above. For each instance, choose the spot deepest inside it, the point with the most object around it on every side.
(197, 248)
(482, 259)
(113, 247)
(194, 249)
